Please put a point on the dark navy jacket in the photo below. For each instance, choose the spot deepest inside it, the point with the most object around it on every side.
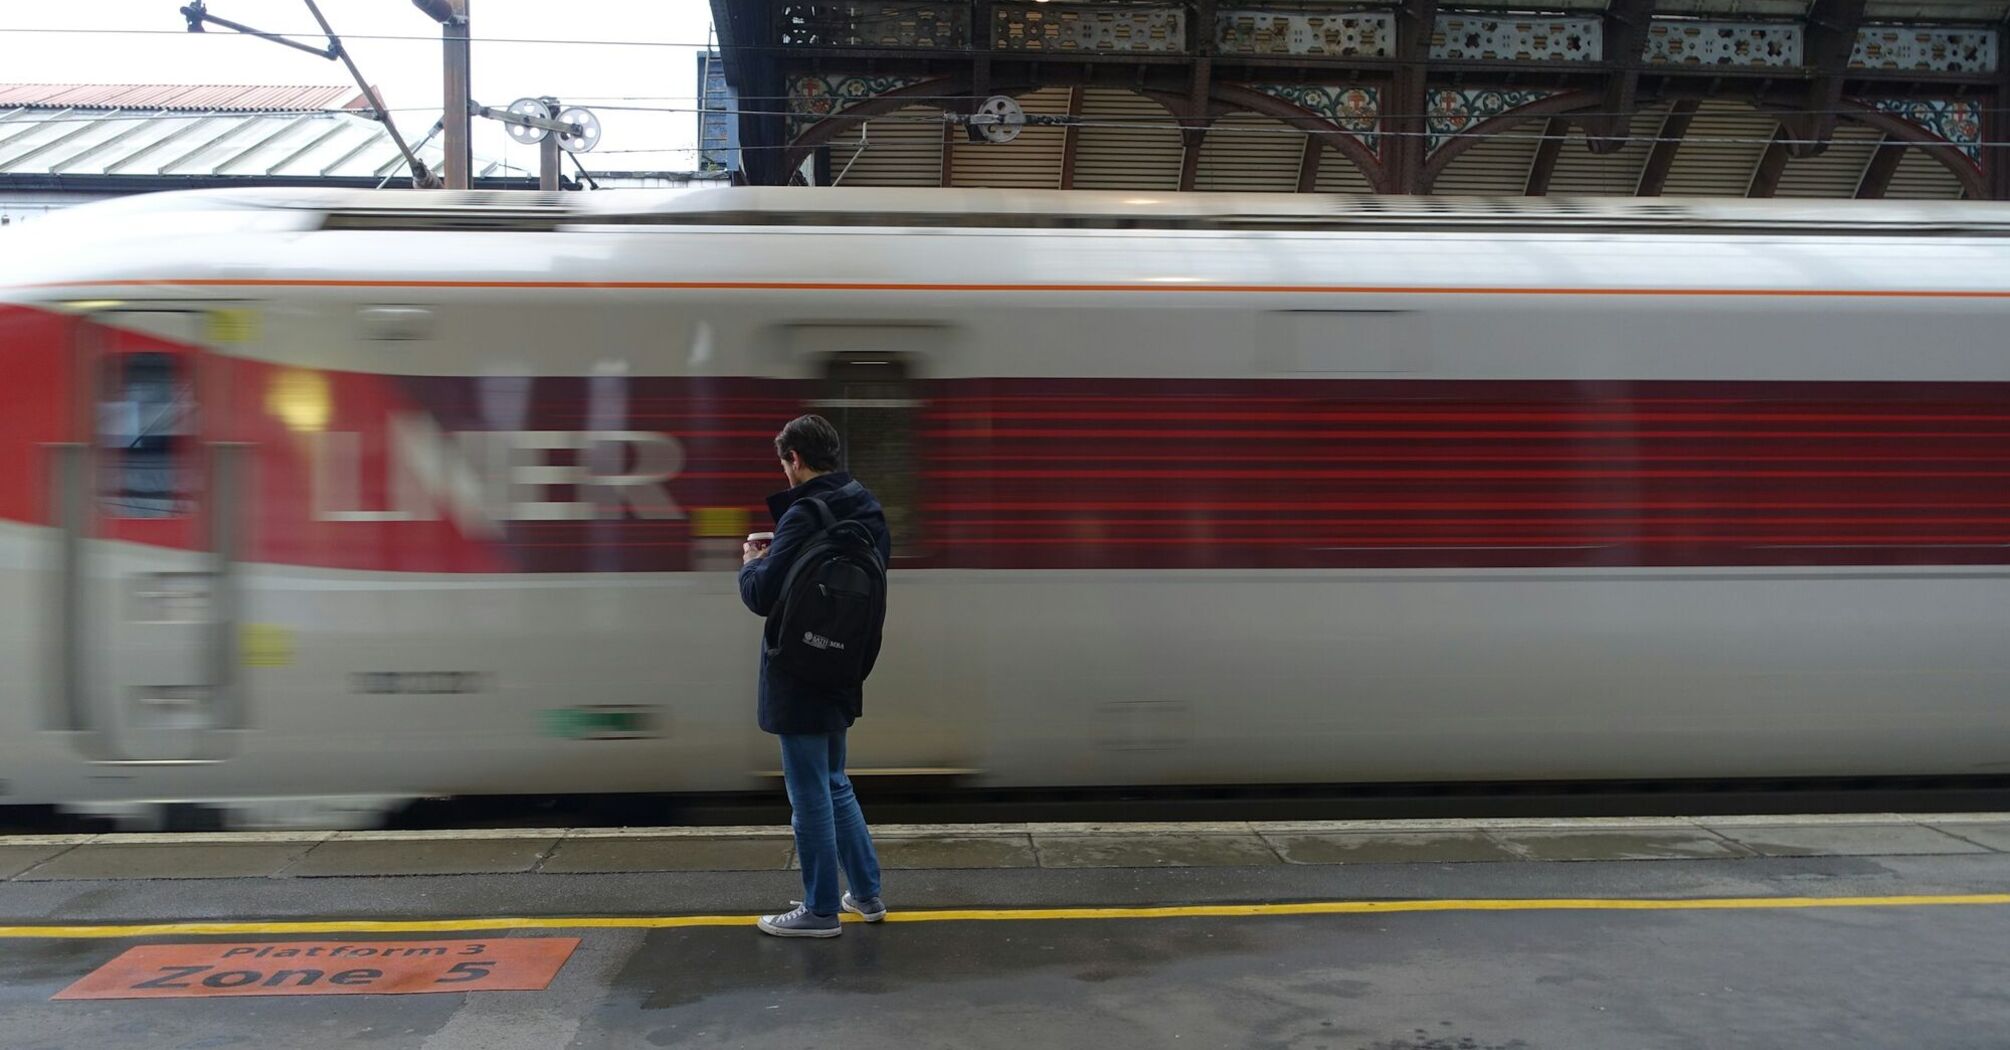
(787, 704)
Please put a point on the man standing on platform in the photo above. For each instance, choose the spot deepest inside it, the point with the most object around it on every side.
(820, 580)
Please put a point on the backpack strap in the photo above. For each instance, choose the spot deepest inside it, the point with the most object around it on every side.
(825, 519)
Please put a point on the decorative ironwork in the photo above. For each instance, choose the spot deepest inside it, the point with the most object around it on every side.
(1088, 27)
(1687, 42)
(1958, 120)
(1558, 39)
(1951, 50)
(1355, 110)
(812, 98)
(875, 23)
(1453, 111)
(1342, 34)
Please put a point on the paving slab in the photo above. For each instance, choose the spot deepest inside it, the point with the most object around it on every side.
(951, 852)
(669, 854)
(1645, 844)
(1995, 835)
(1153, 851)
(1401, 848)
(957, 851)
(1849, 840)
(209, 861)
(449, 857)
(16, 859)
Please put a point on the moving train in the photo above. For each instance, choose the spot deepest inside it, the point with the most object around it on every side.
(313, 501)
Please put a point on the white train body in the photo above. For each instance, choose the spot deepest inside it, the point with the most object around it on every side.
(352, 495)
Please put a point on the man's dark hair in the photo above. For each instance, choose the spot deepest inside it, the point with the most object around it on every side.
(811, 437)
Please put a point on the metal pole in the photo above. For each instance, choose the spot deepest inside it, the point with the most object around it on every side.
(547, 154)
(454, 38)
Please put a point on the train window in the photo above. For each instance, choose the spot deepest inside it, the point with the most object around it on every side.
(870, 400)
(146, 428)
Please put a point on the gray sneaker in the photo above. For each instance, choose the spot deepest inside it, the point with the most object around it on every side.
(801, 923)
(872, 909)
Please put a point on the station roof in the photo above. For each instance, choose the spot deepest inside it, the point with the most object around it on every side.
(136, 137)
(278, 98)
(1760, 98)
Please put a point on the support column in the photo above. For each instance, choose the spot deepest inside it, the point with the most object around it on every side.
(1832, 29)
(1626, 26)
(1403, 149)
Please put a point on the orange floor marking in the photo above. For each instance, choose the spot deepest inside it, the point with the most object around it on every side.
(189, 971)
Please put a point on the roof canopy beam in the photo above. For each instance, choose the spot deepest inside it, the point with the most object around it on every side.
(1660, 160)
(1554, 133)
(1883, 165)
(1071, 138)
(1772, 163)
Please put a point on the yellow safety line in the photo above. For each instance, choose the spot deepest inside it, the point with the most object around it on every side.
(1191, 911)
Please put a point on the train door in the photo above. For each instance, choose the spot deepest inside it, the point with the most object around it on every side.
(147, 503)
(922, 722)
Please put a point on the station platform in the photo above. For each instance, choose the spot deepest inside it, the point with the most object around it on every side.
(1862, 930)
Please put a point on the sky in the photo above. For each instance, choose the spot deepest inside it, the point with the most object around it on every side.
(599, 74)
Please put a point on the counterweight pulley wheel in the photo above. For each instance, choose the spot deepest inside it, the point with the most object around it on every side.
(999, 120)
(535, 110)
(589, 131)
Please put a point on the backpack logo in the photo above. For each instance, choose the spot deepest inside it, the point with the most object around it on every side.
(817, 641)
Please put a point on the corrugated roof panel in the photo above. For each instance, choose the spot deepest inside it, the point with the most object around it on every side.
(1125, 143)
(267, 140)
(1920, 177)
(1493, 167)
(39, 148)
(270, 97)
(362, 155)
(1031, 162)
(902, 149)
(1582, 173)
(109, 139)
(1244, 152)
(33, 136)
(198, 156)
(1721, 151)
(147, 144)
(1837, 171)
(1338, 174)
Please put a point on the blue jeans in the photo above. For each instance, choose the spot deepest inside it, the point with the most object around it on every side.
(829, 827)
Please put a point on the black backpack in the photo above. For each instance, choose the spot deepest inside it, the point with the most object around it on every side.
(825, 630)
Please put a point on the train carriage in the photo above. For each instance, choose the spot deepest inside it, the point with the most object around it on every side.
(335, 499)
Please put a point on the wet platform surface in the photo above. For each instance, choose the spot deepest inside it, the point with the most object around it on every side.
(1879, 930)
